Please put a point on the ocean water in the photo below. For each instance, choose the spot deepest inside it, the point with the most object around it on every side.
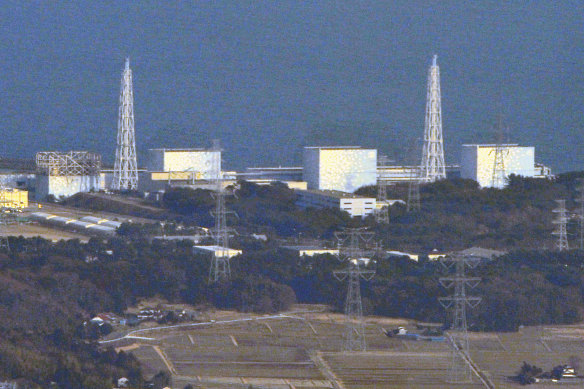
(268, 77)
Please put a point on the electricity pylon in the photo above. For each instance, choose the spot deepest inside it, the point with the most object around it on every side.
(220, 269)
(561, 221)
(126, 165)
(413, 203)
(382, 213)
(580, 211)
(433, 167)
(351, 250)
(459, 368)
(4, 244)
(499, 176)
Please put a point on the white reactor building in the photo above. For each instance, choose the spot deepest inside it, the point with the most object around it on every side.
(340, 168)
(478, 162)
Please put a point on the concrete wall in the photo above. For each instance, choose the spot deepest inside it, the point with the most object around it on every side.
(342, 169)
(65, 186)
(17, 180)
(202, 162)
(310, 168)
(477, 162)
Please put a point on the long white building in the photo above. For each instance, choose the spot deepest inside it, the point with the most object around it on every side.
(478, 162)
(341, 168)
(352, 204)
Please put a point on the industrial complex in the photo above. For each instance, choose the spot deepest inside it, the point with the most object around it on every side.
(328, 176)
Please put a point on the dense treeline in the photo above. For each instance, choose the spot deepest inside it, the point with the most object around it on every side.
(458, 214)
(269, 209)
(47, 291)
(520, 288)
(454, 213)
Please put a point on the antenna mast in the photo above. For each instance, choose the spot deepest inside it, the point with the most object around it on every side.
(126, 166)
(433, 167)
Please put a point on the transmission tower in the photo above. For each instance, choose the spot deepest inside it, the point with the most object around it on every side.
(433, 167)
(561, 220)
(382, 214)
(413, 203)
(220, 267)
(352, 250)
(126, 166)
(499, 175)
(4, 244)
(459, 368)
(580, 211)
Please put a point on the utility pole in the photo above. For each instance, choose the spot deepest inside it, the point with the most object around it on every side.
(561, 221)
(382, 214)
(220, 269)
(352, 250)
(433, 167)
(580, 211)
(459, 368)
(126, 165)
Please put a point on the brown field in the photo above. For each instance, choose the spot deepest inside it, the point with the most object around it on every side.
(303, 351)
(34, 230)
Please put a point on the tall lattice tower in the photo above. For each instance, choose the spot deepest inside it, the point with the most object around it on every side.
(352, 249)
(580, 210)
(460, 371)
(499, 176)
(382, 209)
(4, 244)
(413, 203)
(220, 269)
(561, 222)
(126, 165)
(433, 167)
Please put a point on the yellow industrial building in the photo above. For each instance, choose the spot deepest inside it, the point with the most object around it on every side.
(13, 198)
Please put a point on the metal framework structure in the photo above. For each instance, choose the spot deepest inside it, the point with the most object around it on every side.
(413, 203)
(220, 269)
(433, 167)
(126, 165)
(561, 221)
(460, 371)
(72, 163)
(4, 244)
(382, 214)
(499, 176)
(352, 249)
(580, 211)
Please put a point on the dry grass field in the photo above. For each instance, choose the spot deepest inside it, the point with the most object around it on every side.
(303, 351)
